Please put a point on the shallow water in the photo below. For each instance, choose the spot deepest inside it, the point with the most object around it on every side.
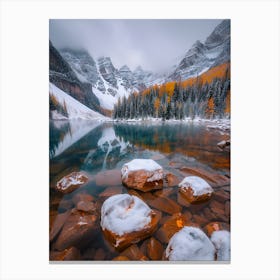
(100, 150)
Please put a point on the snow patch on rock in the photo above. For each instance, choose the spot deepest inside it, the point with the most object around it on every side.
(197, 184)
(124, 213)
(190, 244)
(143, 164)
(221, 241)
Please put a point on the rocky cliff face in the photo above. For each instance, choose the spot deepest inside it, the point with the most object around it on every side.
(62, 75)
(200, 57)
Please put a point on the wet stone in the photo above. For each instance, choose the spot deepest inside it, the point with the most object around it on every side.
(134, 253)
(82, 197)
(154, 249)
(108, 178)
(109, 191)
(227, 208)
(78, 230)
(170, 227)
(70, 254)
(58, 224)
(100, 255)
(86, 206)
(121, 258)
(215, 226)
(172, 180)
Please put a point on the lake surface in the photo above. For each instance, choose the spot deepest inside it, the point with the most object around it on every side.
(101, 149)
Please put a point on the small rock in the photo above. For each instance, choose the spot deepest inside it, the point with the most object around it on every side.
(133, 253)
(223, 144)
(86, 206)
(78, 230)
(142, 174)
(195, 189)
(199, 219)
(109, 191)
(58, 224)
(154, 249)
(108, 178)
(71, 254)
(214, 226)
(165, 204)
(121, 258)
(170, 227)
(82, 197)
(172, 180)
(71, 182)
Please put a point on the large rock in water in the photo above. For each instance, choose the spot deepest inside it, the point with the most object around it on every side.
(190, 244)
(71, 182)
(142, 174)
(195, 189)
(126, 219)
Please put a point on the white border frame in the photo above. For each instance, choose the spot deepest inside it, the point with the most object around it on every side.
(24, 138)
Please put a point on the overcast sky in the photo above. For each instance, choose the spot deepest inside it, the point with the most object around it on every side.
(153, 44)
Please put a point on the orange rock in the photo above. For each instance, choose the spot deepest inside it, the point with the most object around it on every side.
(188, 194)
(221, 196)
(121, 258)
(77, 230)
(142, 174)
(123, 241)
(200, 219)
(154, 249)
(170, 227)
(58, 224)
(70, 254)
(109, 191)
(165, 204)
(71, 182)
(86, 206)
(108, 178)
(82, 197)
(133, 253)
(164, 192)
(215, 226)
(172, 180)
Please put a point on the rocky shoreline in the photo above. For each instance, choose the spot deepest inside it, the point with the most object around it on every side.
(186, 207)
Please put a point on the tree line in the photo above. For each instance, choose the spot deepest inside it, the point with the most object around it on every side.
(174, 101)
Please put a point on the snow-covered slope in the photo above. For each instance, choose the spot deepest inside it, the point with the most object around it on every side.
(74, 108)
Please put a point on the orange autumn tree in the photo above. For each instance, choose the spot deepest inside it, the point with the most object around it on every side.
(156, 106)
(227, 108)
(210, 107)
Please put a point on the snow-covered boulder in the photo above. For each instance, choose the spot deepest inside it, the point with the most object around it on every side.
(190, 244)
(195, 189)
(126, 219)
(142, 174)
(221, 241)
(71, 182)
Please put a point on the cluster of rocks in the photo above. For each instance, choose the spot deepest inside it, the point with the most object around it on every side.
(145, 223)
